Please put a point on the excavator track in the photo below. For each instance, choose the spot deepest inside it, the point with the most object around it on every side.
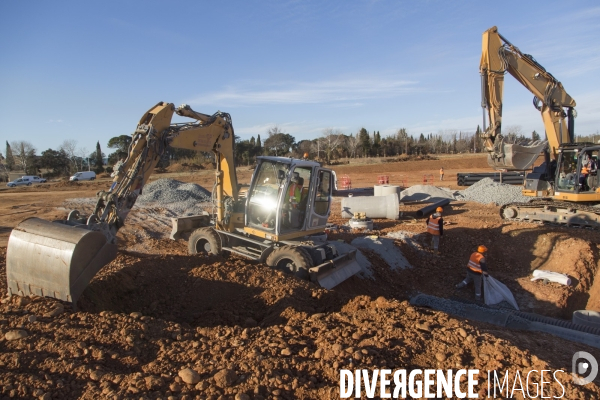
(556, 212)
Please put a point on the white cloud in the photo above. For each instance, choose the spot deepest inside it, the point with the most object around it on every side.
(572, 48)
(338, 92)
(58, 121)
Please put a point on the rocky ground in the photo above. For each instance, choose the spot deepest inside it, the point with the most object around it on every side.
(158, 323)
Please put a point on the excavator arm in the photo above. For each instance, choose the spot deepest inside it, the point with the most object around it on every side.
(58, 259)
(153, 135)
(498, 57)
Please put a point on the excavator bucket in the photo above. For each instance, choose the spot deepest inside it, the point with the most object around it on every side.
(336, 271)
(54, 259)
(517, 156)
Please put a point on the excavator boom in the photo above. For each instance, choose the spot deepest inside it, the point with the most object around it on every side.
(498, 57)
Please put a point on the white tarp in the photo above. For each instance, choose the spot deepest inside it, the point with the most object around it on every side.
(495, 291)
(557, 277)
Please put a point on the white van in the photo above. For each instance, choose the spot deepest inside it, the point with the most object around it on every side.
(83, 176)
(33, 178)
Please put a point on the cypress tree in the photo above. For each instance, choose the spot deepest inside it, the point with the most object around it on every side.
(10, 160)
(98, 159)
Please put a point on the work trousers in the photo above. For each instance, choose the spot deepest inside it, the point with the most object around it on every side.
(435, 242)
(476, 279)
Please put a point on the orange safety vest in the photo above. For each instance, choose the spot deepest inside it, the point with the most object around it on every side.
(474, 264)
(441, 171)
(292, 193)
(433, 226)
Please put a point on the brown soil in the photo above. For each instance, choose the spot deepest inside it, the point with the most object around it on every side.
(185, 167)
(156, 310)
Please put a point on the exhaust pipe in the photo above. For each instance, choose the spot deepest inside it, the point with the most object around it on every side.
(54, 259)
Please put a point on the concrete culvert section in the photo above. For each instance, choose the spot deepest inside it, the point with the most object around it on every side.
(373, 206)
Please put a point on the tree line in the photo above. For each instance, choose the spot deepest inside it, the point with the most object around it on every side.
(333, 145)
(329, 147)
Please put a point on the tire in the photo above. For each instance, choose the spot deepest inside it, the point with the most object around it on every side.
(29, 184)
(91, 179)
(292, 260)
(204, 241)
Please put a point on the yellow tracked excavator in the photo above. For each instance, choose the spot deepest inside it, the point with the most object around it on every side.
(280, 219)
(567, 185)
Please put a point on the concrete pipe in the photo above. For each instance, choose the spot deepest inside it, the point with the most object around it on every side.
(431, 208)
(384, 190)
(373, 206)
(587, 318)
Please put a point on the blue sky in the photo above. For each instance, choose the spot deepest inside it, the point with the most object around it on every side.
(88, 71)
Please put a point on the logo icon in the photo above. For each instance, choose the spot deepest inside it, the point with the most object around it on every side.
(584, 364)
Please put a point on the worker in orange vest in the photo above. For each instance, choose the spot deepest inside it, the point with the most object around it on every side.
(442, 174)
(435, 226)
(476, 267)
(585, 171)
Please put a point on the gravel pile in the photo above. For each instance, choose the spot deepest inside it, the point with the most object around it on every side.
(182, 198)
(410, 238)
(426, 193)
(487, 191)
(385, 249)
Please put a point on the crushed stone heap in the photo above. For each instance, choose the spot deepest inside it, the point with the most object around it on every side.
(182, 198)
(487, 191)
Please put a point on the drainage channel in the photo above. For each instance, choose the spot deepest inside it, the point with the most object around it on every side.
(511, 319)
(535, 317)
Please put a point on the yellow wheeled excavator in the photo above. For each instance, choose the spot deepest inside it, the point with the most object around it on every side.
(567, 183)
(280, 219)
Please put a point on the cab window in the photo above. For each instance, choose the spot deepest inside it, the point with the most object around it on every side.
(322, 193)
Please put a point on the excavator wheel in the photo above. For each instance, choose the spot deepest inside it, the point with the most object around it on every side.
(291, 259)
(204, 241)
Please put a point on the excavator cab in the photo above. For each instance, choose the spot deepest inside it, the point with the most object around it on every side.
(577, 171)
(288, 198)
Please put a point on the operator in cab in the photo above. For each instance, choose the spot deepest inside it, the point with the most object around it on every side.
(293, 198)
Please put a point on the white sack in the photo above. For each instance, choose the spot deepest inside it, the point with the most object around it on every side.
(551, 276)
(495, 291)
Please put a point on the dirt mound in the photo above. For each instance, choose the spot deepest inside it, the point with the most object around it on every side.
(247, 330)
(67, 184)
(244, 329)
(404, 157)
(184, 167)
(574, 257)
